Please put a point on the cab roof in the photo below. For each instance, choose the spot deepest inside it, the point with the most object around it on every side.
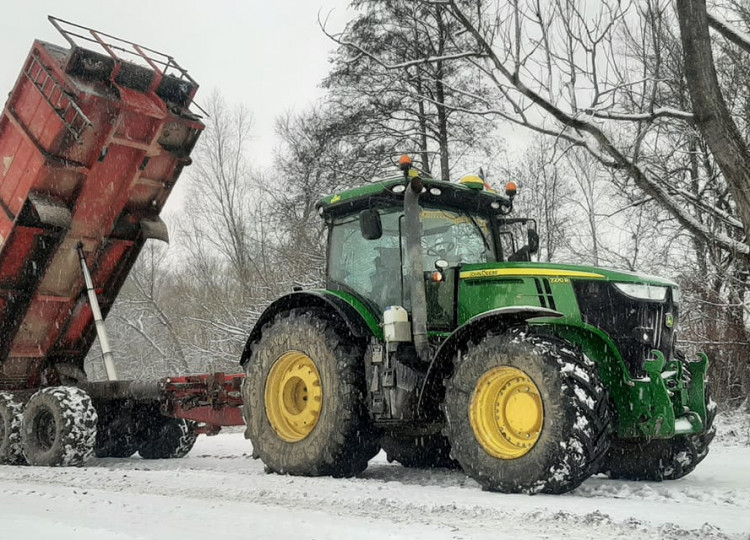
(381, 194)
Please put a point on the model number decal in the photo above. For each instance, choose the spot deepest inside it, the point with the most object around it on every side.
(559, 280)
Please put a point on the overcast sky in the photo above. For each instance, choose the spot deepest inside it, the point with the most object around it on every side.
(268, 55)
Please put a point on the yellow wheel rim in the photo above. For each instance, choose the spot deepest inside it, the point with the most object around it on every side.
(293, 396)
(506, 412)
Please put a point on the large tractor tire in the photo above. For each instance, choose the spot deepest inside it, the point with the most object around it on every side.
(526, 414)
(660, 459)
(167, 438)
(427, 452)
(58, 428)
(304, 397)
(10, 430)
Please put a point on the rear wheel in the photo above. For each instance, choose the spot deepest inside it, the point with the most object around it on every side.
(426, 452)
(526, 414)
(304, 398)
(10, 430)
(661, 459)
(58, 427)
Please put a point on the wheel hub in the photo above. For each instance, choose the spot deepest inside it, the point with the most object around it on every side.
(506, 412)
(44, 429)
(293, 396)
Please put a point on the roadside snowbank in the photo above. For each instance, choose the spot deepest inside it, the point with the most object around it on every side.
(220, 491)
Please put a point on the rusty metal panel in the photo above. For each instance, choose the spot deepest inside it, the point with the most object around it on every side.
(91, 144)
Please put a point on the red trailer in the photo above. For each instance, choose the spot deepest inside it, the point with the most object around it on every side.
(93, 138)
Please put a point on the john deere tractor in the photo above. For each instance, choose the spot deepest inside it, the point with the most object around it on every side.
(438, 340)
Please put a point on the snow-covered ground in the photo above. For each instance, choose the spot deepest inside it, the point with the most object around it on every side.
(220, 492)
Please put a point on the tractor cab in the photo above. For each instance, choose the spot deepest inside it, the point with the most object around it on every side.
(460, 223)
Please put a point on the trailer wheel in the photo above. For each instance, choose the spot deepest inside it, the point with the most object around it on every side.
(117, 430)
(10, 430)
(116, 446)
(427, 452)
(662, 459)
(304, 397)
(168, 438)
(526, 414)
(58, 427)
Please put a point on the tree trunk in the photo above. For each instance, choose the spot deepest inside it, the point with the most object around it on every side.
(440, 98)
(423, 144)
(712, 116)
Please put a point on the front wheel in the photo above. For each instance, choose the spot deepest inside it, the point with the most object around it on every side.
(304, 397)
(526, 414)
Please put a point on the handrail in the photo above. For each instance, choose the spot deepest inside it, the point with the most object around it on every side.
(152, 57)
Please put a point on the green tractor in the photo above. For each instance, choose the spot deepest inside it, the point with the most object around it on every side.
(439, 341)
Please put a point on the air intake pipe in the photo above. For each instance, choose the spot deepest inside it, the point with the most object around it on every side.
(415, 278)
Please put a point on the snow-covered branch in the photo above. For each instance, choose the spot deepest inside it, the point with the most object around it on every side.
(740, 39)
(661, 112)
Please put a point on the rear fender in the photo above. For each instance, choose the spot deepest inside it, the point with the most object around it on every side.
(339, 309)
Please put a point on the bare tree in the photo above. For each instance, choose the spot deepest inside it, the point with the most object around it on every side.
(224, 206)
(398, 102)
(545, 193)
(576, 87)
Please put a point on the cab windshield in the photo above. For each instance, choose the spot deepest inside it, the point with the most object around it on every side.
(455, 236)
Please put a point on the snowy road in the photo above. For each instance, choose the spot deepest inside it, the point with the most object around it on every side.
(218, 491)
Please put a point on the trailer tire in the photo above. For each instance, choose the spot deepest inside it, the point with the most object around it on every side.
(661, 459)
(116, 446)
(427, 452)
(11, 412)
(322, 426)
(168, 438)
(117, 430)
(526, 414)
(58, 428)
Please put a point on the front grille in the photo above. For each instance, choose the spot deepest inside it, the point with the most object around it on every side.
(544, 291)
(626, 319)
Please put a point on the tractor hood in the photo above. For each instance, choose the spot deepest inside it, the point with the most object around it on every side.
(570, 271)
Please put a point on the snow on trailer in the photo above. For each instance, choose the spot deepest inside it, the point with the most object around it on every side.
(93, 138)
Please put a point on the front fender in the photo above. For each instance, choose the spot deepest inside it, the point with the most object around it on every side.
(478, 326)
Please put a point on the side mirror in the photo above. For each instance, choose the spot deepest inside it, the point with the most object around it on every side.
(533, 242)
(370, 224)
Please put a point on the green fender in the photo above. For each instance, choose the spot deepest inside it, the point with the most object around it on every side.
(344, 308)
(644, 406)
(474, 329)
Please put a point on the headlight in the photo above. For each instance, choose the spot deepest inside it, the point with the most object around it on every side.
(676, 295)
(643, 291)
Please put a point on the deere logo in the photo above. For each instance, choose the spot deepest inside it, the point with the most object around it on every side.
(669, 320)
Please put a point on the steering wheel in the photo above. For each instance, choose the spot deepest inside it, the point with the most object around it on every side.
(441, 248)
